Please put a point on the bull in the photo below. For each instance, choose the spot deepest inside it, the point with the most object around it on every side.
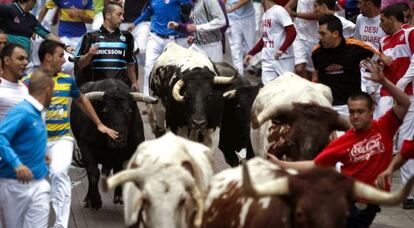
(116, 106)
(274, 197)
(235, 124)
(165, 183)
(292, 116)
(191, 97)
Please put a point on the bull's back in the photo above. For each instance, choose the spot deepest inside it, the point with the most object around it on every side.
(227, 205)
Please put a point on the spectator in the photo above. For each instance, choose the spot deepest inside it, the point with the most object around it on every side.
(161, 12)
(399, 44)
(24, 191)
(354, 149)
(60, 141)
(241, 31)
(328, 7)
(337, 60)
(14, 60)
(109, 52)
(20, 25)
(368, 27)
(208, 17)
(306, 23)
(73, 15)
(278, 36)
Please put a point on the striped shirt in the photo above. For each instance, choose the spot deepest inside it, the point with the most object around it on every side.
(57, 118)
(69, 26)
(115, 52)
(209, 18)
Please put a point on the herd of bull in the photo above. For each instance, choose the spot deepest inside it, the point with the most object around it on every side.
(169, 182)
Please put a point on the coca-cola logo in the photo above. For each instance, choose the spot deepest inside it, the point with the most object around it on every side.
(366, 148)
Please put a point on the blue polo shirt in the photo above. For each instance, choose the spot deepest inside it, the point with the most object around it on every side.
(23, 140)
(162, 12)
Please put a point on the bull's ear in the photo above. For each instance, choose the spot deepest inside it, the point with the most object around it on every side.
(187, 165)
(284, 116)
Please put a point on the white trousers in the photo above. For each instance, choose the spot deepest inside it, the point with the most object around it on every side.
(302, 50)
(155, 47)
(213, 50)
(68, 67)
(60, 152)
(274, 68)
(406, 131)
(24, 205)
(97, 22)
(141, 35)
(241, 35)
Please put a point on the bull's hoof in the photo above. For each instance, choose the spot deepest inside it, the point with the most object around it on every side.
(96, 205)
(118, 199)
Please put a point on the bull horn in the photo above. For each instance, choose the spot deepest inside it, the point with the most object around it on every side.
(376, 196)
(120, 178)
(267, 114)
(223, 80)
(176, 91)
(196, 195)
(92, 96)
(280, 186)
(229, 94)
(144, 98)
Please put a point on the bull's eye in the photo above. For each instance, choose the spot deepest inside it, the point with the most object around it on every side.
(104, 110)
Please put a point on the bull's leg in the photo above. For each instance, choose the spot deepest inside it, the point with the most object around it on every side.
(93, 198)
(249, 151)
(118, 189)
(230, 156)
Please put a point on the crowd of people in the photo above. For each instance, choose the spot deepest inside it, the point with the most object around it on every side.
(361, 49)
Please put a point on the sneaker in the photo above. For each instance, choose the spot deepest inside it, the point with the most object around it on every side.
(408, 204)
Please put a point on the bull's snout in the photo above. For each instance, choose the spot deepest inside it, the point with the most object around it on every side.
(199, 123)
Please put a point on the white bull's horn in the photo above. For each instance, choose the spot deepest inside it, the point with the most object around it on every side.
(120, 178)
(229, 94)
(376, 196)
(268, 113)
(144, 98)
(279, 186)
(92, 96)
(176, 90)
(196, 194)
(223, 80)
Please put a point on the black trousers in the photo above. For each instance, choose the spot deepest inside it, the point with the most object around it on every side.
(362, 218)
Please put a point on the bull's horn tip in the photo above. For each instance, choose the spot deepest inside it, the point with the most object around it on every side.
(105, 184)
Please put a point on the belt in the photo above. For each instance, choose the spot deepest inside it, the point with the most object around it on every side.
(172, 37)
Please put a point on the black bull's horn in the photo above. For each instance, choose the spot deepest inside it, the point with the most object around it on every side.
(180, 83)
(98, 95)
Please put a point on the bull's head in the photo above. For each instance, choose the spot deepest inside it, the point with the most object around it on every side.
(309, 127)
(321, 197)
(195, 89)
(167, 196)
(116, 111)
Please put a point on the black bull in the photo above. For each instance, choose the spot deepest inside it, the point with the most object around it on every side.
(117, 109)
(203, 102)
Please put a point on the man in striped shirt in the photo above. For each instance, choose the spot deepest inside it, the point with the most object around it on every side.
(60, 141)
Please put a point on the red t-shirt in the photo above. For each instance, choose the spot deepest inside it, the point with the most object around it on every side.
(407, 149)
(364, 154)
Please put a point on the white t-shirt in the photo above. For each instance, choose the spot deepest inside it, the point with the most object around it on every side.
(274, 20)
(10, 94)
(348, 27)
(306, 29)
(369, 30)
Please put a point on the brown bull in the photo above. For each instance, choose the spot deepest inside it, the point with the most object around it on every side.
(273, 197)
